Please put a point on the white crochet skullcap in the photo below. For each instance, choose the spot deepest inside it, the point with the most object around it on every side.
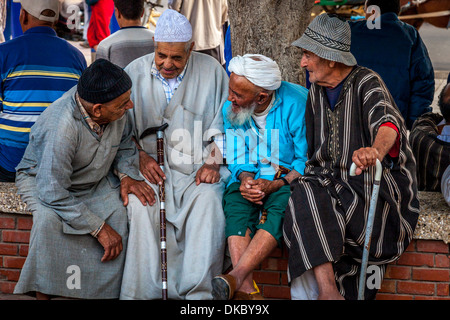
(172, 26)
(262, 72)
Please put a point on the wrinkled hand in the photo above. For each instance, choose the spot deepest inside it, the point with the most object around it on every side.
(150, 169)
(266, 186)
(140, 189)
(111, 242)
(208, 173)
(249, 193)
(364, 158)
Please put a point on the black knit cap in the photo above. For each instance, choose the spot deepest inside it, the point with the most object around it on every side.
(102, 82)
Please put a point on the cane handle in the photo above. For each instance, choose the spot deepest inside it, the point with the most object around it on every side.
(378, 172)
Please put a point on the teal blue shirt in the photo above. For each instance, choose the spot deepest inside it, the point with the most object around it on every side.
(282, 143)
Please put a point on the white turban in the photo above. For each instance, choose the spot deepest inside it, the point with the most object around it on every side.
(172, 26)
(263, 72)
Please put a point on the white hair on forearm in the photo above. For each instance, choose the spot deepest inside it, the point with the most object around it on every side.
(258, 69)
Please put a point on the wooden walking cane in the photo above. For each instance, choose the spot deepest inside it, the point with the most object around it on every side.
(162, 197)
(369, 226)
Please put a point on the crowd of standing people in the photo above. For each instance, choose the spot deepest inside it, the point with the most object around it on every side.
(250, 161)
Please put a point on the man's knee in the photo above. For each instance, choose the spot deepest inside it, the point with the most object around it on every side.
(214, 192)
(139, 213)
(45, 220)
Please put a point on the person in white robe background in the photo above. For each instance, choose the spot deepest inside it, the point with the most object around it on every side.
(186, 90)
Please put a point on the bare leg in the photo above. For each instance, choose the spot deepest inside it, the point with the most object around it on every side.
(238, 245)
(246, 258)
(327, 284)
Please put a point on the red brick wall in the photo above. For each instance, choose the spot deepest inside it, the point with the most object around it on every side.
(14, 238)
(422, 272)
(271, 277)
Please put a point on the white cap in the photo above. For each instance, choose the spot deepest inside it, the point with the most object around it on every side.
(35, 8)
(172, 26)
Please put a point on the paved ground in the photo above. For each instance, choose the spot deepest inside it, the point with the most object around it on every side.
(437, 41)
(86, 51)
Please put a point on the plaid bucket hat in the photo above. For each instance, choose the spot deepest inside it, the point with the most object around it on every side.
(329, 37)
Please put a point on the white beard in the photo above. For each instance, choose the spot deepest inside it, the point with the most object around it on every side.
(243, 116)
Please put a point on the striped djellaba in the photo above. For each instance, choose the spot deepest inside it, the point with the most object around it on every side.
(432, 154)
(327, 212)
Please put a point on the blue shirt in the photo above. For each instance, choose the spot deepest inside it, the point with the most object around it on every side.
(35, 69)
(333, 94)
(283, 142)
(397, 53)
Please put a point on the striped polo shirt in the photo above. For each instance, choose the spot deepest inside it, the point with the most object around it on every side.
(35, 69)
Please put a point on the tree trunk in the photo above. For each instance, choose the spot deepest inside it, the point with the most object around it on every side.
(269, 27)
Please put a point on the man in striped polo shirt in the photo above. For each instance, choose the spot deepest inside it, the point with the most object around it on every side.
(35, 70)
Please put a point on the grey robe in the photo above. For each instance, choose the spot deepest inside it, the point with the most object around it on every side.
(65, 178)
(195, 219)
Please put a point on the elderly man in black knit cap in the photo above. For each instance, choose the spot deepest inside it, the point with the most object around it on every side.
(67, 180)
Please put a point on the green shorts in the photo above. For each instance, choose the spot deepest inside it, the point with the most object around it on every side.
(241, 214)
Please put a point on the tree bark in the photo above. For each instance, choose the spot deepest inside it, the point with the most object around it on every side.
(269, 27)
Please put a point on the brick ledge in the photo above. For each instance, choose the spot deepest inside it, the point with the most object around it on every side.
(433, 223)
